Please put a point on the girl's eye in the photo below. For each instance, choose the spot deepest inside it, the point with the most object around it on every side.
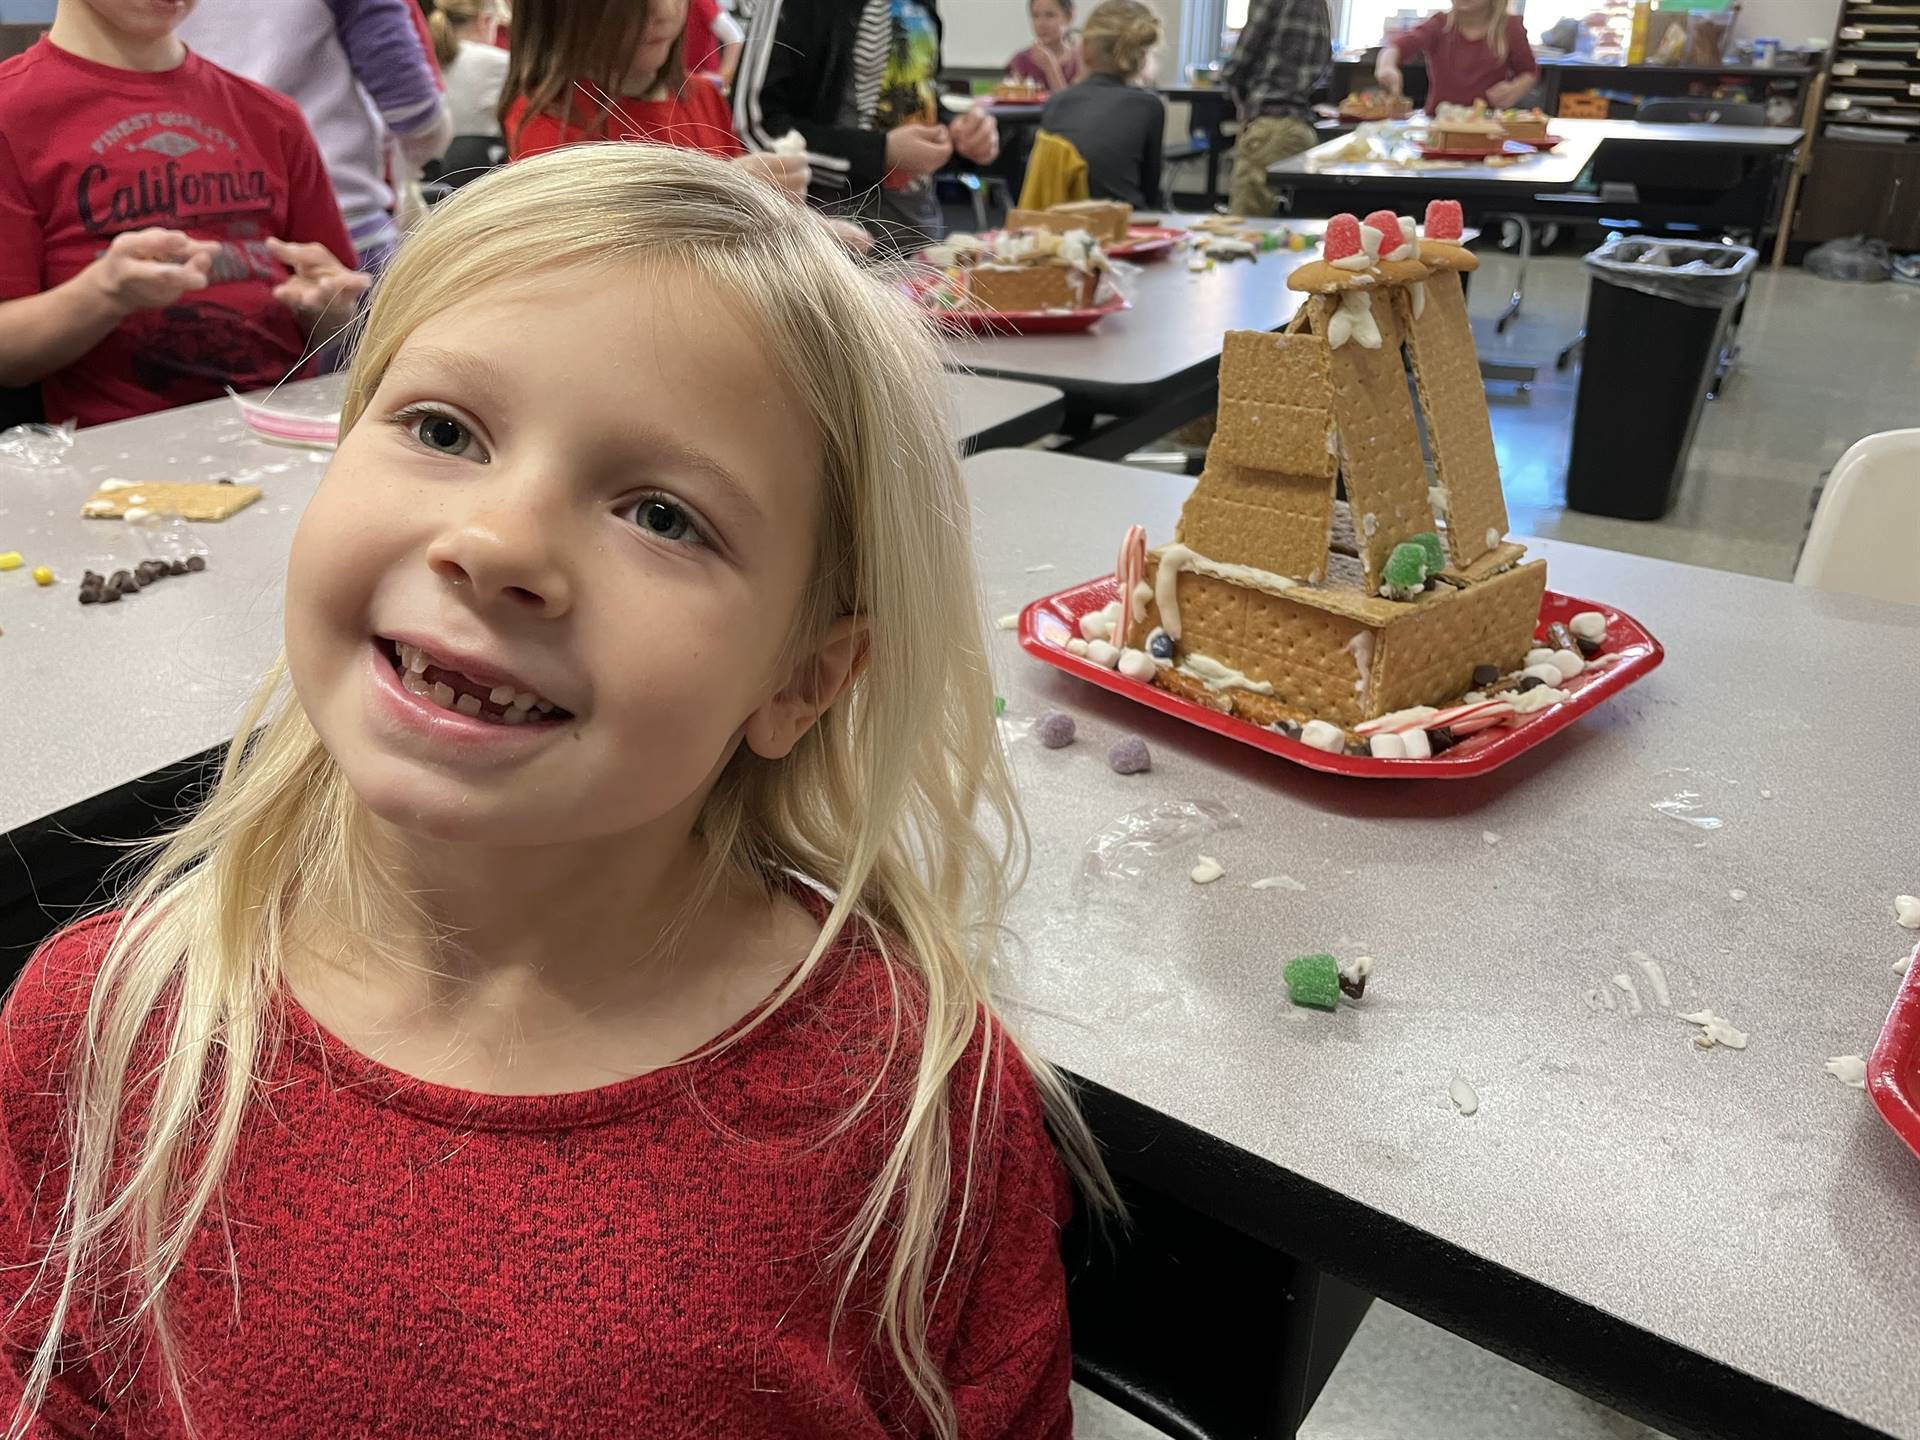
(439, 432)
(664, 520)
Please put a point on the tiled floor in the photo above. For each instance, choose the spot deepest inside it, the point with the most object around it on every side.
(1821, 364)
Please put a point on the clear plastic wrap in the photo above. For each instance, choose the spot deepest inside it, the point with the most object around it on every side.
(1123, 848)
(36, 447)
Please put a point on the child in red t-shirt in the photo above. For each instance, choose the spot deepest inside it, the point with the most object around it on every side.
(1475, 51)
(609, 70)
(166, 228)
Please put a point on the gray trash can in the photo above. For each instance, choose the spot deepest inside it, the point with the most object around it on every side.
(1658, 314)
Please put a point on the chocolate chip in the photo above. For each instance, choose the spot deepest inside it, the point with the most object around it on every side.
(1358, 747)
(1485, 675)
(110, 595)
(1526, 683)
(1441, 738)
(1588, 648)
(1355, 988)
(1288, 729)
(121, 583)
(176, 567)
(196, 562)
(89, 594)
(223, 480)
(93, 577)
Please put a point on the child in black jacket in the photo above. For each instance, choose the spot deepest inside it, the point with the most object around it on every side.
(859, 81)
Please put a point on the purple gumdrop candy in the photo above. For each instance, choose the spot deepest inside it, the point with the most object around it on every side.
(1129, 756)
(1054, 729)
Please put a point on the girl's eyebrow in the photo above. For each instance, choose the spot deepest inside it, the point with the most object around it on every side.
(475, 373)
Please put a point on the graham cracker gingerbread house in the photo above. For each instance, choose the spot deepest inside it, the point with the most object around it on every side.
(1293, 610)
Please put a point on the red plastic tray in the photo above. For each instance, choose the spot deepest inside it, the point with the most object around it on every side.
(1146, 242)
(1545, 142)
(1893, 1070)
(1049, 622)
(1015, 322)
(1508, 149)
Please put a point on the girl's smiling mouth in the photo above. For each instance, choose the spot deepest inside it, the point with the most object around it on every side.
(491, 697)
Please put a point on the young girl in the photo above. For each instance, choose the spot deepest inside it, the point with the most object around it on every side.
(568, 1014)
(473, 67)
(611, 70)
(1113, 121)
(1475, 51)
(1053, 60)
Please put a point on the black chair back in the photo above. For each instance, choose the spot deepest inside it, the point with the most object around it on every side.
(467, 158)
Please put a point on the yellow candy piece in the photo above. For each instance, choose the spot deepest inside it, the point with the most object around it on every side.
(42, 575)
(11, 560)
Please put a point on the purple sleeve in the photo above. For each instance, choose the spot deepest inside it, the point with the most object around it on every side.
(383, 49)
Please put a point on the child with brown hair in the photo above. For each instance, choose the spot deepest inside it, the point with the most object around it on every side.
(1111, 117)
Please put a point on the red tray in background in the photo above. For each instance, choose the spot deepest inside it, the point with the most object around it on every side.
(1545, 142)
(1146, 242)
(1014, 322)
(1893, 1070)
(1509, 150)
(1049, 622)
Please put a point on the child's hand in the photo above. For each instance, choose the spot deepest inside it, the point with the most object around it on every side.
(1503, 93)
(786, 173)
(1390, 79)
(319, 282)
(916, 150)
(975, 136)
(856, 238)
(146, 269)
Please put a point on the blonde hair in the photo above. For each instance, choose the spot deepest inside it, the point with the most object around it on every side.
(1496, 26)
(898, 801)
(447, 16)
(1119, 36)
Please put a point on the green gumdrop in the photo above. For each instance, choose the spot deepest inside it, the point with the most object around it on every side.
(999, 705)
(1314, 980)
(1406, 567)
(1272, 240)
(1436, 556)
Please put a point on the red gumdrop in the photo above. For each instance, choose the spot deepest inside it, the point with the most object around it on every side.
(1444, 221)
(1343, 238)
(1388, 224)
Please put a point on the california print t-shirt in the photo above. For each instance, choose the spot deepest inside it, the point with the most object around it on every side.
(88, 151)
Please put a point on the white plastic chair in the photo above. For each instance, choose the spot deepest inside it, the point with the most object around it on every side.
(1865, 537)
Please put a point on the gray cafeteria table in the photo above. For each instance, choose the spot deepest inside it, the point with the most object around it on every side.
(1148, 370)
(1719, 1243)
(119, 707)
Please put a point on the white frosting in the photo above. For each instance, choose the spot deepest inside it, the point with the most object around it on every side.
(1539, 655)
(1142, 597)
(1166, 579)
(1353, 320)
(1207, 871)
(1439, 498)
(1362, 261)
(1538, 698)
(1906, 911)
(1369, 523)
(1371, 240)
(1656, 977)
(1418, 290)
(1628, 989)
(1323, 736)
(1465, 1098)
(1493, 538)
(1277, 882)
(1361, 648)
(1216, 676)
(1544, 671)
(1716, 1030)
(1848, 1070)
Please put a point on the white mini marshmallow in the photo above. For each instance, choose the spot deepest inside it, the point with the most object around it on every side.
(1137, 665)
(1322, 736)
(1539, 655)
(1417, 745)
(1568, 663)
(1545, 672)
(1387, 747)
(1589, 625)
(1101, 653)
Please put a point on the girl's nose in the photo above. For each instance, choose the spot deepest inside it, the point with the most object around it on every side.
(509, 556)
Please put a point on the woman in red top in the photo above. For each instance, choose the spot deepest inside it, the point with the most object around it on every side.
(1475, 51)
(584, 70)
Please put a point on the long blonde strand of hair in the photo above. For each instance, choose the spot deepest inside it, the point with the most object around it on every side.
(899, 801)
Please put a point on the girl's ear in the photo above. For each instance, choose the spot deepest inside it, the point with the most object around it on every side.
(817, 680)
